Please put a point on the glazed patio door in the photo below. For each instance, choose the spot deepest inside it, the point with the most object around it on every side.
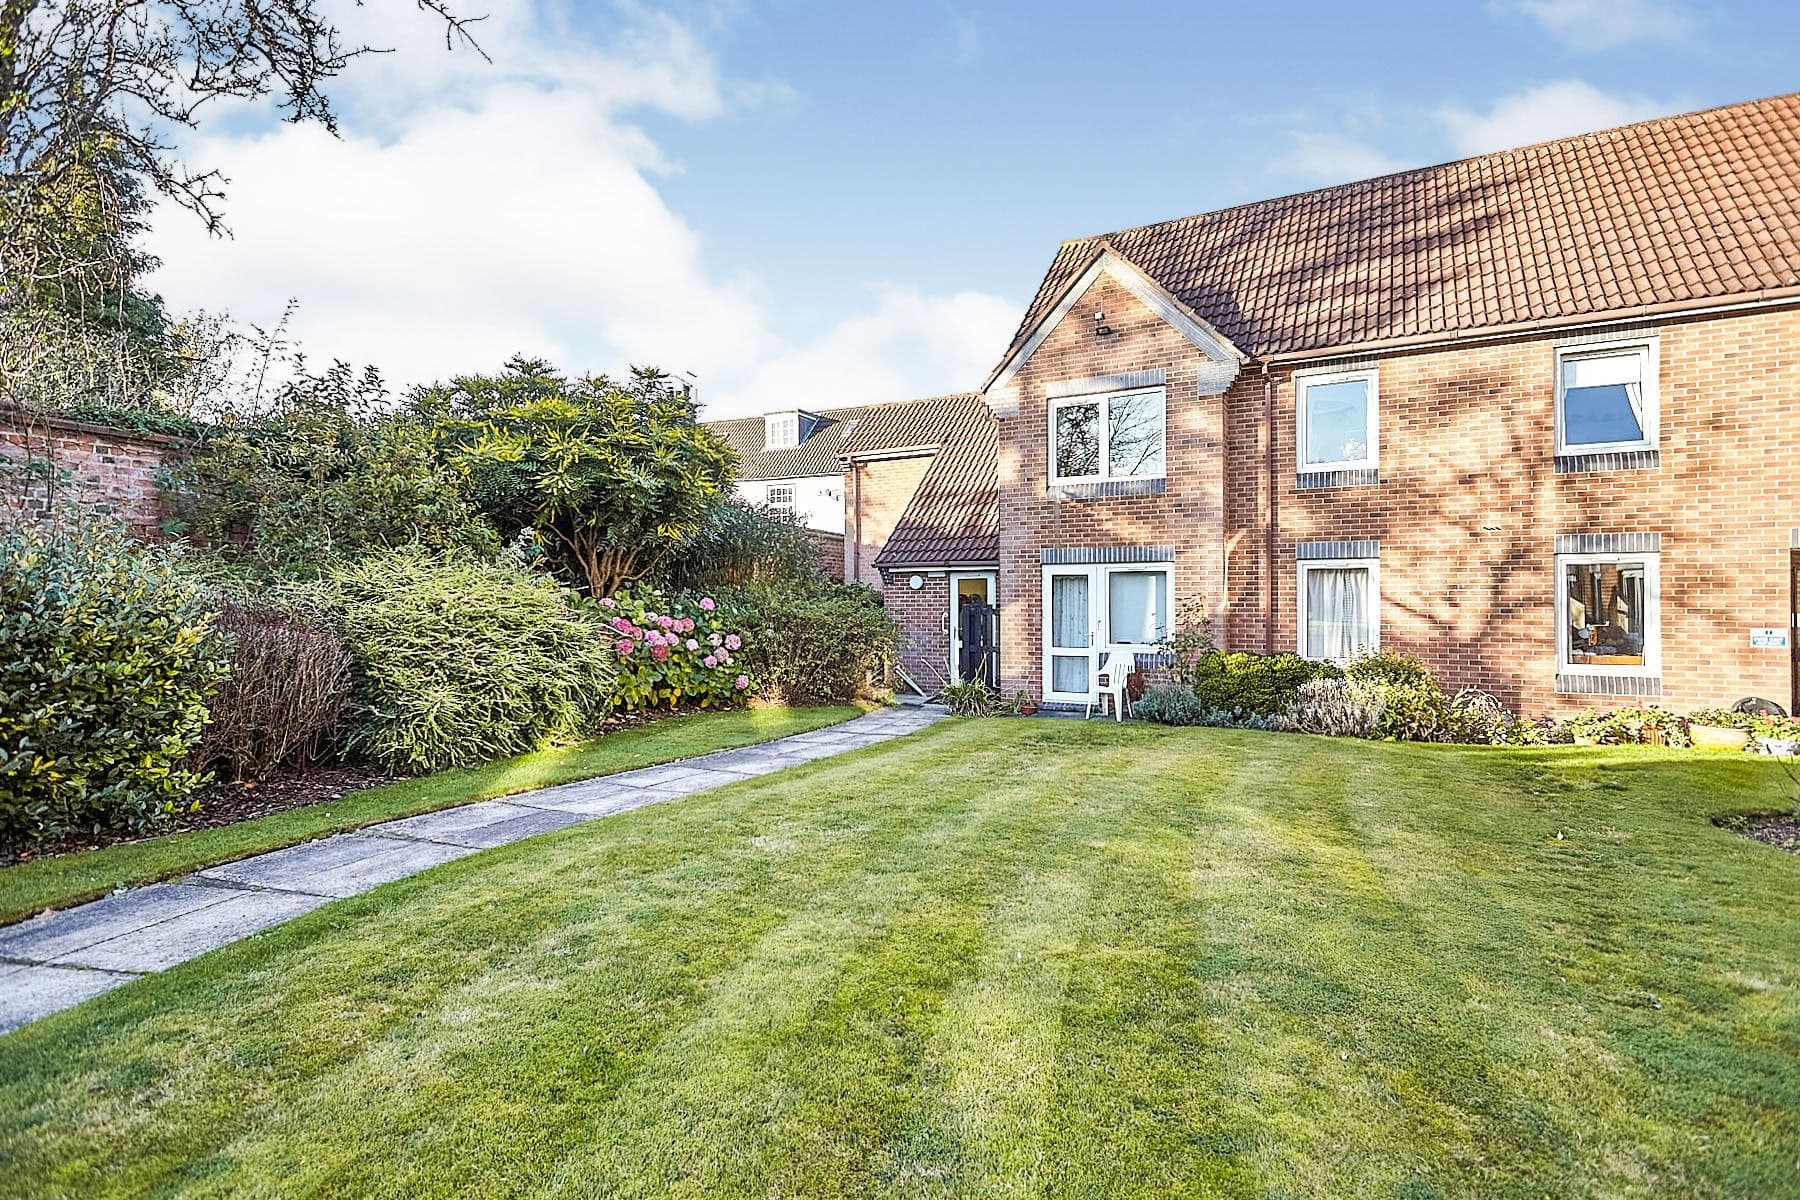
(1070, 636)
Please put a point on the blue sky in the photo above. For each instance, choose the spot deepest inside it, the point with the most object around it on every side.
(817, 204)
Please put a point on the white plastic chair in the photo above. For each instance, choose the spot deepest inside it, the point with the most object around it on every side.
(1116, 666)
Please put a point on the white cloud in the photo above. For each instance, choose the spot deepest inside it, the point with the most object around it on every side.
(469, 212)
(1601, 24)
(1331, 157)
(1549, 110)
(908, 345)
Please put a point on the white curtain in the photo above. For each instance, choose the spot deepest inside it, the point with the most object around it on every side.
(1132, 614)
(1069, 611)
(1337, 612)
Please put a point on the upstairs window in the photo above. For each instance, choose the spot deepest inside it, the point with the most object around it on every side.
(1336, 421)
(780, 500)
(1606, 398)
(781, 430)
(1119, 435)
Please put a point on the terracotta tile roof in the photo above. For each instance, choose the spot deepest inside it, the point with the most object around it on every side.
(1674, 211)
(954, 516)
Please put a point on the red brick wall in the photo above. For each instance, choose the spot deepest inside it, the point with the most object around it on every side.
(1467, 508)
(89, 465)
(924, 640)
(1188, 515)
(875, 496)
(830, 549)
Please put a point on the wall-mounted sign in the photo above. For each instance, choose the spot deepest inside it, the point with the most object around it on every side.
(1773, 638)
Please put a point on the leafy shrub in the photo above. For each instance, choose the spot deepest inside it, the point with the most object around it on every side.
(328, 473)
(1753, 723)
(1339, 707)
(1628, 726)
(673, 652)
(284, 700)
(106, 663)
(1263, 685)
(1174, 705)
(739, 544)
(817, 643)
(1480, 718)
(462, 662)
(970, 698)
(1387, 666)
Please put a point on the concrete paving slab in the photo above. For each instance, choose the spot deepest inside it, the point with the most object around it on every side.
(39, 991)
(433, 826)
(700, 780)
(601, 802)
(345, 865)
(192, 934)
(52, 935)
(528, 822)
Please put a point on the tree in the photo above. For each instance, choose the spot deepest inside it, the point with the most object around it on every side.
(611, 476)
(327, 474)
(92, 95)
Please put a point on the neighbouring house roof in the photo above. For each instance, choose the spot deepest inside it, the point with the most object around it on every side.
(953, 518)
(900, 427)
(817, 455)
(1664, 214)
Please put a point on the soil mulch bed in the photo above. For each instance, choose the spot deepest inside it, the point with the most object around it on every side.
(1780, 830)
(227, 804)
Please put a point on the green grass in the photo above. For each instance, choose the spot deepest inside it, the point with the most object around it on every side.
(999, 958)
(64, 879)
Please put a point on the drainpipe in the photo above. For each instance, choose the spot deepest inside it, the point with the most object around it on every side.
(856, 544)
(1274, 505)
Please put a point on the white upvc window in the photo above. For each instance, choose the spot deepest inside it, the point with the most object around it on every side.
(781, 430)
(780, 499)
(1606, 397)
(1336, 420)
(1609, 614)
(1110, 435)
(1339, 608)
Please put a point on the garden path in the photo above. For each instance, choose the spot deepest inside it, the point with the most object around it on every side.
(58, 959)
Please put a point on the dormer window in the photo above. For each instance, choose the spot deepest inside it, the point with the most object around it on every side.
(781, 430)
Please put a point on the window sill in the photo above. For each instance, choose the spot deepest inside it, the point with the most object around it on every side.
(1575, 683)
(1610, 460)
(1346, 477)
(1101, 488)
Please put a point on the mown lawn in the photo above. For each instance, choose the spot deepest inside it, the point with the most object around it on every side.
(65, 879)
(999, 958)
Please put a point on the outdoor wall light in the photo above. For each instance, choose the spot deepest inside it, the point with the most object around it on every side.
(1101, 328)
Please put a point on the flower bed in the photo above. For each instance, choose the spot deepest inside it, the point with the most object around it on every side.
(674, 651)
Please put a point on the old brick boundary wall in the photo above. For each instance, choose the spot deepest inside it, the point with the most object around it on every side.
(53, 461)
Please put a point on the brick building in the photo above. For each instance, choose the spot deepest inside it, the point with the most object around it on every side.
(1530, 417)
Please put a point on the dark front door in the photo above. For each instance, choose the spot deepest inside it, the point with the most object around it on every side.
(975, 629)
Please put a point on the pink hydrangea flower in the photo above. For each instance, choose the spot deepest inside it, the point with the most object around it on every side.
(687, 624)
(741, 682)
(706, 604)
(714, 640)
(665, 622)
(626, 646)
(733, 641)
(608, 602)
(621, 624)
(724, 656)
(710, 661)
(692, 644)
(659, 653)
